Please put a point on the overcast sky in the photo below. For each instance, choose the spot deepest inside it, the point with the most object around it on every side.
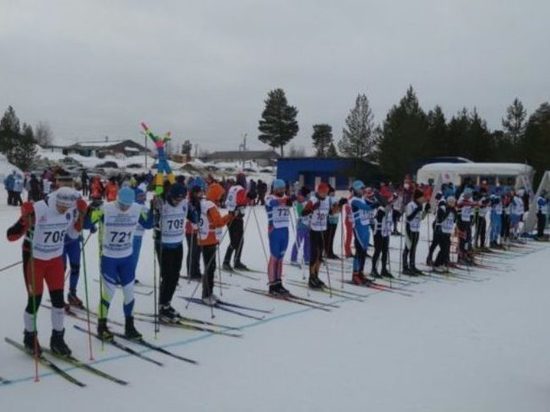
(202, 69)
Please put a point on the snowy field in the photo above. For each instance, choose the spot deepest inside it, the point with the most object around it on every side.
(479, 342)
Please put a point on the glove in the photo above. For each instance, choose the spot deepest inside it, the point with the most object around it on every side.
(342, 201)
(27, 209)
(93, 229)
(81, 205)
(316, 206)
(427, 207)
(251, 195)
(289, 202)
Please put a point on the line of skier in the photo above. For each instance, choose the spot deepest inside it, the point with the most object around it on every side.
(191, 211)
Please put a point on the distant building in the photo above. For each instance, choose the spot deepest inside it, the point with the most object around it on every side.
(261, 157)
(339, 172)
(127, 148)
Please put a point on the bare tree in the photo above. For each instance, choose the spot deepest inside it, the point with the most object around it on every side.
(43, 134)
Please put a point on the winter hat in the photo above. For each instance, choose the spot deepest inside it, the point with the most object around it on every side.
(418, 194)
(322, 188)
(126, 196)
(467, 192)
(438, 195)
(177, 191)
(198, 184)
(65, 197)
(358, 186)
(215, 192)
(279, 184)
(241, 180)
(140, 195)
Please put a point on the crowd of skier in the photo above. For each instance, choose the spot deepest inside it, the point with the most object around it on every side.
(201, 212)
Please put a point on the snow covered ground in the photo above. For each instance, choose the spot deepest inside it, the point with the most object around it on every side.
(475, 343)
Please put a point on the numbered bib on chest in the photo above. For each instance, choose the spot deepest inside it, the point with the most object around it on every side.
(49, 231)
(231, 201)
(466, 213)
(320, 215)
(448, 224)
(387, 223)
(173, 222)
(119, 228)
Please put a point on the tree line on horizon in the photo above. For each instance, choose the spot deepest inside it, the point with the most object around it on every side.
(409, 134)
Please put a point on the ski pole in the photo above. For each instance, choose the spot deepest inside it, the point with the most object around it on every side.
(34, 304)
(401, 247)
(326, 267)
(10, 266)
(342, 245)
(85, 272)
(219, 269)
(261, 237)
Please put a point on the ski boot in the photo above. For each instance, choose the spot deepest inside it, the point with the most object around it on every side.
(129, 329)
(407, 271)
(429, 261)
(103, 331)
(386, 274)
(240, 266)
(360, 279)
(211, 300)
(227, 267)
(74, 300)
(374, 274)
(416, 271)
(57, 343)
(315, 283)
(168, 314)
(30, 340)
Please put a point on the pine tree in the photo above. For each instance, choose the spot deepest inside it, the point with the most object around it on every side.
(278, 125)
(23, 151)
(437, 143)
(331, 151)
(9, 129)
(322, 139)
(514, 122)
(535, 143)
(10, 121)
(358, 137)
(403, 137)
(458, 129)
(480, 140)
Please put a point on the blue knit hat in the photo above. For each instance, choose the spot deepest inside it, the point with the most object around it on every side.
(126, 196)
(177, 190)
(358, 185)
(279, 184)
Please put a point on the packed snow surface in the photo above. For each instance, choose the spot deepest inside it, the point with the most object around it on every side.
(478, 342)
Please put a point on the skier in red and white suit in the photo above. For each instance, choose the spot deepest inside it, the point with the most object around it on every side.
(44, 225)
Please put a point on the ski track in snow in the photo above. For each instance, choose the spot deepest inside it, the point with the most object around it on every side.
(456, 345)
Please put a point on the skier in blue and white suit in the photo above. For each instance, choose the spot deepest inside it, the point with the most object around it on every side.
(278, 215)
(361, 212)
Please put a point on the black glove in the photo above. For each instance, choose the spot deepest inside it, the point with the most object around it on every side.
(289, 202)
(342, 201)
(427, 207)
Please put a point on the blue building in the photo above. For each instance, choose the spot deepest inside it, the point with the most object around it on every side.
(339, 172)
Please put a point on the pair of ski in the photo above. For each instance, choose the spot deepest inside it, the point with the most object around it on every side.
(243, 273)
(4, 381)
(236, 309)
(48, 363)
(141, 342)
(125, 348)
(195, 325)
(383, 288)
(299, 300)
(346, 294)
